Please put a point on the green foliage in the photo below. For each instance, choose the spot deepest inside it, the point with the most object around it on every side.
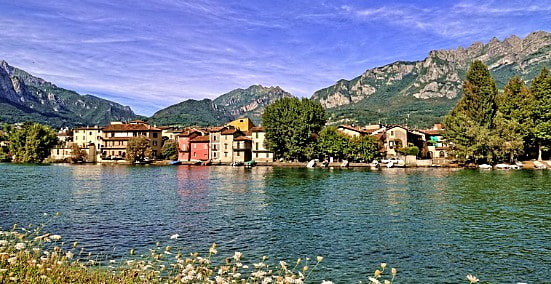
(170, 150)
(469, 123)
(333, 143)
(541, 114)
(31, 143)
(411, 150)
(138, 148)
(77, 154)
(292, 126)
(364, 147)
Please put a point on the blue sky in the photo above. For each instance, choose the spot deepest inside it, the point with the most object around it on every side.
(152, 54)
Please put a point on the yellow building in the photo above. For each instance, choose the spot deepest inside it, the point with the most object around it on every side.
(84, 136)
(243, 124)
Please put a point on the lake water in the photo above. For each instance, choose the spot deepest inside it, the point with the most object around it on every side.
(433, 225)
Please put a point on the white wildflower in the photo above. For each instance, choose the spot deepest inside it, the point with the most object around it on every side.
(174, 237)
(69, 254)
(55, 237)
(472, 279)
(20, 246)
(3, 243)
(12, 260)
(374, 280)
(237, 255)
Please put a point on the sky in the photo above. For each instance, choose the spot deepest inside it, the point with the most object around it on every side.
(152, 54)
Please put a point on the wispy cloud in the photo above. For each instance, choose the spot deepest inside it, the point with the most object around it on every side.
(151, 54)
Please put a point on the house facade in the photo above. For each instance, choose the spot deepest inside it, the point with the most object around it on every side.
(84, 136)
(244, 124)
(200, 148)
(226, 144)
(116, 136)
(184, 144)
(215, 136)
(241, 147)
(259, 151)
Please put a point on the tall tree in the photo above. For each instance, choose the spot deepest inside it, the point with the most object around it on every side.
(333, 143)
(138, 148)
(77, 154)
(292, 126)
(541, 91)
(469, 123)
(31, 143)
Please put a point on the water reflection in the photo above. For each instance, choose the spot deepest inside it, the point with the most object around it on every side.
(442, 222)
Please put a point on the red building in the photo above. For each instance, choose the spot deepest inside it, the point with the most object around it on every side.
(200, 148)
(184, 144)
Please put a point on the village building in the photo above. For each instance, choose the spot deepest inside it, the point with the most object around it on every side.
(226, 142)
(244, 124)
(116, 136)
(351, 130)
(84, 136)
(215, 146)
(184, 144)
(200, 148)
(259, 151)
(241, 147)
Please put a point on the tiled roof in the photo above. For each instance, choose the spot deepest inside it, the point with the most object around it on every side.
(432, 132)
(230, 131)
(200, 139)
(350, 127)
(242, 138)
(216, 129)
(257, 129)
(88, 128)
(130, 127)
(188, 133)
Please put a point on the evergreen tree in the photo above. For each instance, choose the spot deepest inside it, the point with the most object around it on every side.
(541, 111)
(292, 126)
(468, 124)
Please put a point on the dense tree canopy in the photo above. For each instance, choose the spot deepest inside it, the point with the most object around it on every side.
(170, 150)
(489, 126)
(138, 148)
(292, 126)
(541, 111)
(31, 142)
(334, 143)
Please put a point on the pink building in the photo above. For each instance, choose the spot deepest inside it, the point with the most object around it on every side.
(184, 144)
(200, 148)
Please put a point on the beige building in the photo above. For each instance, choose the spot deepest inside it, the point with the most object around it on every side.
(115, 138)
(259, 151)
(84, 136)
(215, 136)
(242, 146)
(226, 144)
(396, 137)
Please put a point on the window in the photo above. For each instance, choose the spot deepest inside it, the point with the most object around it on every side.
(214, 154)
(238, 154)
(194, 154)
(256, 145)
(225, 154)
(194, 146)
(90, 133)
(225, 146)
(214, 147)
(155, 134)
(392, 133)
(256, 154)
(241, 120)
(213, 137)
(154, 143)
(256, 135)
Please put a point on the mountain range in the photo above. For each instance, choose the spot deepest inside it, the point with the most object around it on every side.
(24, 97)
(417, 93)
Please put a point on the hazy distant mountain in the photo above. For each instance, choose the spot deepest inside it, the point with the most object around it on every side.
(427, 90)
(24, 97)
(248, 102)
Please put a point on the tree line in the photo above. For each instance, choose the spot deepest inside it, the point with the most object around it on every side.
(491, 126)
(295, 130)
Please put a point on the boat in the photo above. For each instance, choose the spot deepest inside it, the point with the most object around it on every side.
(390, 164)
(250, 164)
(539, 165)
(174, 163)
(237, 164)
(485, 167)
(344, 163)
(374, 164)
(311, 164)
(325, 163)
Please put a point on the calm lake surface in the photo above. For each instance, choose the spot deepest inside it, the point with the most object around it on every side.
(433, 225)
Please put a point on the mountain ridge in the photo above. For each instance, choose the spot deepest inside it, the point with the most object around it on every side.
(425, 90)
(27, 97)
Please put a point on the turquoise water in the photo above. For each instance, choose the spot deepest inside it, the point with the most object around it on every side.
(433, 225)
